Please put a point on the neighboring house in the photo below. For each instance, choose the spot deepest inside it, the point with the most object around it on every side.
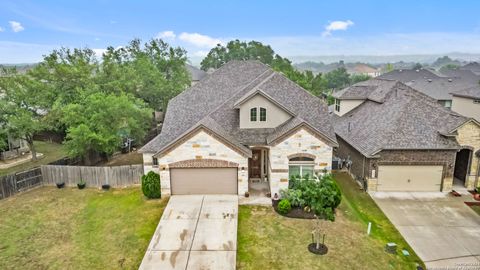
(196, 74)
(399, 139)
(363, 69)
(436, 85)
(473, 67)
(241, 127)
(14, 148)
(467, 102)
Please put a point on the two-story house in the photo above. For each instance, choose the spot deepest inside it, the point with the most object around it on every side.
(242, 128)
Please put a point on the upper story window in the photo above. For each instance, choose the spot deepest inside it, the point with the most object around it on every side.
(476, 101)
(154, 161)
(448, 104)
(337, 105)
(263, 114)
(253, 114)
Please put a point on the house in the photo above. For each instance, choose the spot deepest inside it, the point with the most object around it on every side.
(363, 69)
(196, 74)
(395, 138)
(436, 85)
(242, 128)
(473, 67)
(467, 102)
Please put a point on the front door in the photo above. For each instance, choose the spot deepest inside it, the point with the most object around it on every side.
(254, 164)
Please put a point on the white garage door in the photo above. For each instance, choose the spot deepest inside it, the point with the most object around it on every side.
(203, 181)
(409, 178)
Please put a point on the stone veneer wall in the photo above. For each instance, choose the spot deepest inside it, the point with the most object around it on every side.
(469, 135)
(200, 146)
(300, 142)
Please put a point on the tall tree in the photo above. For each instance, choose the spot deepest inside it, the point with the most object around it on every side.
(154, 72)
(100, 122)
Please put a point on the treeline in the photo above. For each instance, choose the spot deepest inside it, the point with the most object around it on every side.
(97, 103)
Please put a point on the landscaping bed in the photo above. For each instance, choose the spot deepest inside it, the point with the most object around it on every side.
(296, 212)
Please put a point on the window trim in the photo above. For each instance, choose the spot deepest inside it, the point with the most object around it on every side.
(337, 105)
(264, 118)
(253, 114)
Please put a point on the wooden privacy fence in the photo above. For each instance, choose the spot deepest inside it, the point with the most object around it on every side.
(118, 176)
(18, 182)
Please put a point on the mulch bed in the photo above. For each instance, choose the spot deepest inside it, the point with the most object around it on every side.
(296, 212)
(321, 251)
(472, 203)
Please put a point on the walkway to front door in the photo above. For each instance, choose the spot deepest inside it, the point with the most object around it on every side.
(195, 232)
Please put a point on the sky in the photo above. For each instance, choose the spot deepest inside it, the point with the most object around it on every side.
(30, 29)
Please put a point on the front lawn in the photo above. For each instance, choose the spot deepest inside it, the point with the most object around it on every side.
(267, 240)
(77, 229)
(51, 152)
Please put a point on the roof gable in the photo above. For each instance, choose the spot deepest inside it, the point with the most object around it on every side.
(211, 103)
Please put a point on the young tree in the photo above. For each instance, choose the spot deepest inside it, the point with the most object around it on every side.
(101, 121)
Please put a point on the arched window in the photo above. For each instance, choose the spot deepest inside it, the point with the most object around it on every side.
(253, 114)
(301, 167)
(263, 114)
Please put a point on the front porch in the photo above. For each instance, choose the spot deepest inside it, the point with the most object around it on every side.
(258, 176)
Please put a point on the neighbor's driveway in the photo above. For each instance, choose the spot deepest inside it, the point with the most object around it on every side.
(195, 232)
(441, 229)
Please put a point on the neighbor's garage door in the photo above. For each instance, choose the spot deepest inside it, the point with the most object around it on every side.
(409, 178)
(203, 181)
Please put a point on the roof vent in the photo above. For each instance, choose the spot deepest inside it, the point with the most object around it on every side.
(429, 80)
(349, 126)
(400, 70)
(417, 70)
(450, 80)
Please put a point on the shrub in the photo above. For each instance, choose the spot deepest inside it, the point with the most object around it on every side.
(151, 185)
(294, 196)
(322, 197)
(284, 206)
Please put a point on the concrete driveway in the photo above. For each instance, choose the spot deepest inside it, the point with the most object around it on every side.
(442, 230)
(195, 232)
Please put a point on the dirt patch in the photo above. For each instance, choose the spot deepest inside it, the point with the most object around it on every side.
(296, 212)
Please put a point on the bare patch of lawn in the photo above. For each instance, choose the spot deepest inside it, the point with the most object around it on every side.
(77, 229)
(267, 240)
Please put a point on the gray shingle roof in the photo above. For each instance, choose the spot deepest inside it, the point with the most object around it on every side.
(406, 119)
(438, 86)
(473, 66)
(211, 103)
(374, 89)
(472, 92)
(406, 75)
(196, 74)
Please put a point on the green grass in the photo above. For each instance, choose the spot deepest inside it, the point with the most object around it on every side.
(50, 151)
(267, 240)
(360, 206)
(76, 229)
(475, 208)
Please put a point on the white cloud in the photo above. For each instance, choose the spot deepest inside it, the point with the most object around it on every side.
(199, 40)
(1, 29)
(336, 26)
(16, 26)
(166, 35)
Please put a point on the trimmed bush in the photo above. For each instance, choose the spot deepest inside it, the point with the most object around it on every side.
(151, 185)
(284, 206)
